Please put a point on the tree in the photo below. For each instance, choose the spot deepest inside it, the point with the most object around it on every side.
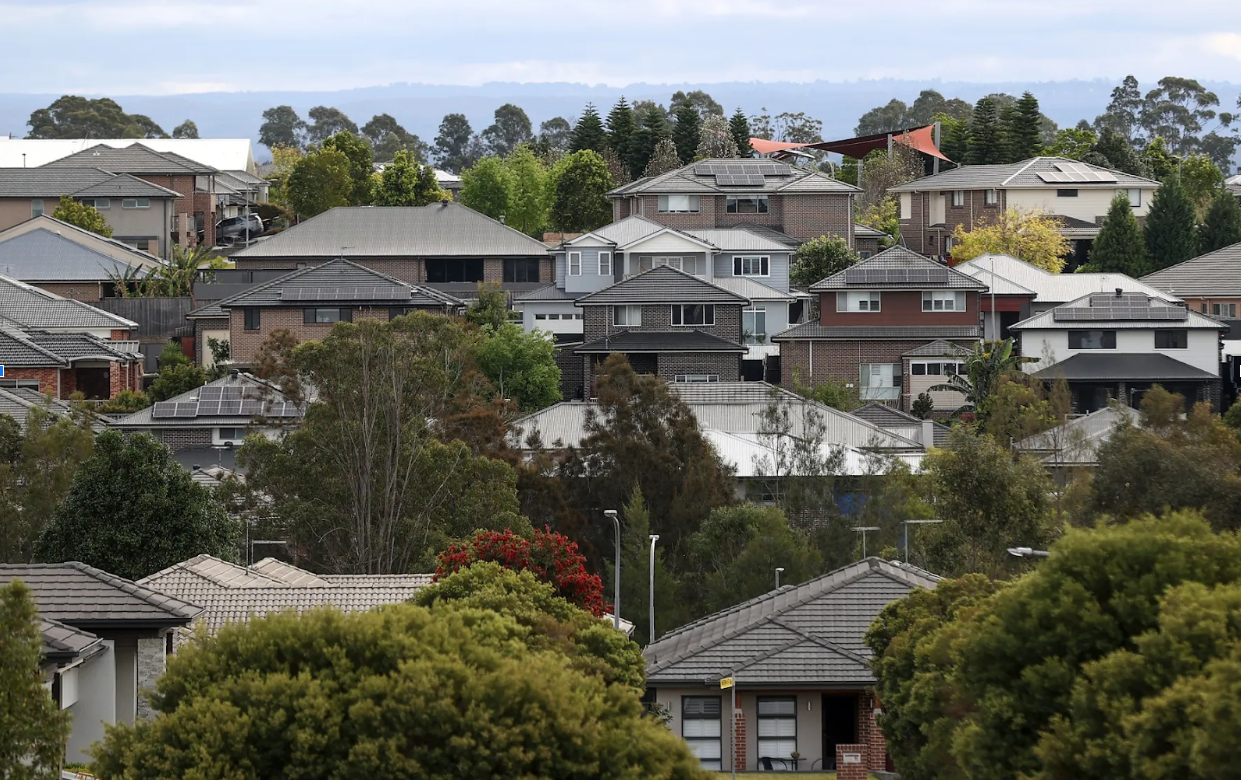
(388, 137)
(687, 132)
(622, 128)
(1121, 115)
(175, 379)
(555, 133)
(75, 212)
(701, 102)
(1032, 236)
(984, 368)
(320, 181)
(954, 137)
(1170, 226)
(452, 143)
(1115, 152)
(489, 311)
(1023, 130)
(883, 170)
(664, 159)
(282, 127)
(33, 729)
(1222, 225)
(327, 122)
(883, 119)
(186, 129)
(819, 258)
(1158, 160)
(717, 140)
(361, 165)
(406, 691)
(579, 186)
(799, 472)
(529, 199)
(71, 116)
(1176, 110)
(1073, 143)
(521, 366)
(104, 524)
(1119, 246)
(398, 184)
(588, 134)
(652, 128)
(486, 186)
(740, 127)
(427, 189)
(1201, 180)
(986, 142)
(670, 611)
(510, 129)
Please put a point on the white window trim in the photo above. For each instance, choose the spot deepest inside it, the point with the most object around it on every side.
(763, 261)
(608, 256)
(844, 296)
(924, 363)
(704, 324)
(629, 308)
(572, 263)
(693, 204)
(954, 295)
(695, 378)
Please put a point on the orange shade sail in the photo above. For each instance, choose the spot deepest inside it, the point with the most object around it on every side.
(920, 139)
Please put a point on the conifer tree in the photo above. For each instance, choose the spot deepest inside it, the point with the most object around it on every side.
(687, 133)
(636, 575)
(986, 142)
(1119, 246)
(589, 132)
(1022, 130)
(653, 128)
(33, 730)
(1221, 226)
(621, 130)
(1169, 230)
(740, 127)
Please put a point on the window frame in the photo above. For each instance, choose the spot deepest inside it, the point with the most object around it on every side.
(931, 297)
(958, 198)
(138, 203)
(1134, 194)
(629, 309)
(37, 207)
(732, 203)
(764, 265)
(755, 312)
(991, 197)
(1066, 192)
(511, 266)
(442, 267)
(607, 255)
(693, 203)
(760, 719)
(695, 379)
(1103, 338)
(1225, 310)
(570, 264)
(1183, 333)
(677, 317)
(875, 297)
(252, 318)
(310, 315)
(925, 365)
(220, 437)
(693, 740)
(94, 203)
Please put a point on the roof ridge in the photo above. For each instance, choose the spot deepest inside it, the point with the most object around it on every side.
(1020, 171)
(140, 592)
(21, 337)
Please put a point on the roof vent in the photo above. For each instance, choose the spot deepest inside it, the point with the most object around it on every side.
(1119, 292)
(196, 467)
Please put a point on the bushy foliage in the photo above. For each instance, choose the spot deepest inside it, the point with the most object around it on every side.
(33, 729)
(521, 366)
(819, 258)
(75, 212)
(1031, 236)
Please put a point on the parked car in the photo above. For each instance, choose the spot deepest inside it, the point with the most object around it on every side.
(234, 228)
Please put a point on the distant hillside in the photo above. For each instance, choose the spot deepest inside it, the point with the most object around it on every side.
(419, 107)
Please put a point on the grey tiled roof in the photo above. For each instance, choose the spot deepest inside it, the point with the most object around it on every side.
(1022, 174)
(298, 289)
(769, 232)
(45, 256)
(752, 289)
(17, 402)
(623, 232)
(811, 633)
(46, 182)
(939, 348)
(890, 417)
(813, 330)
(865, 231)
(30, 307)
(16, 350)
(131, 159)
(438, 230)
(686, 180)
(78, 346)
(62, 641)
(739, 240)
(898, 258)
(126, 186)
(660, 341)
(663, 284)
(86, 597)
(1135, 366)
(1216, 274)
(547, 293)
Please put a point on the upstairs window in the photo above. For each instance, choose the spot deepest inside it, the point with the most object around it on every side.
(754, 325)
(752, 266)
(933, 368)
(321, 315)
(252, 318)
(521, 270)
(448, 271)
(99, 204)
(1133, 194)
(991, 197)
(694, 264)
(1092, 339)
(1172, 339)
(746, 204)
(693, 314)
(1226, 310)
(680, 204)
(605, 263)
(943, 300)
(36, 208)
(136, 203)
(958, 197)
(858, 301)
(575, 264)
(1066, 193)
(627, 316)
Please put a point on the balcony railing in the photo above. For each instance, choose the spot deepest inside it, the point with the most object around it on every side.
(880, 393)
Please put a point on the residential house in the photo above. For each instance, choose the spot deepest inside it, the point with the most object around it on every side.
(69, 261)
(928, 433)
(1073, 446)
(1233, 183)
(60, 346)
(138, 211)
(1116, 345)
(105, 643)
(444, 246)
(707, 194)
(308, 303)
(1017, 290)
(1210, 283)
(868, 241)
(19, 402)
(799, 666)
(896, 325)
(223, 154)
(1078, 193)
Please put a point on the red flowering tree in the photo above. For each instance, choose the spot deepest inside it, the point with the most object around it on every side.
(549, 555)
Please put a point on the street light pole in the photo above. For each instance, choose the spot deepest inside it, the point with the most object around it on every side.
(611, 513)
(651, 609)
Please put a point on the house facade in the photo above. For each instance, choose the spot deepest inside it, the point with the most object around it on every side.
(1079, 194)
(714, 194)
(893, 326)
(68, 261)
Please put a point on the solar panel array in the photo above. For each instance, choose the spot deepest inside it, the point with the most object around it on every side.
(742, 169)
(1120, 299)
(739, 180)
(1120, 313)
(1076, 173)
(374, 293)
(896, 276)
(223, 402)
(219, 393)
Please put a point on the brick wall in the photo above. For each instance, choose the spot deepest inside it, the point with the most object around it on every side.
(179, 439)
(493, 270)
(866, 244)
(547, 270)
(898, 307)
(923, 239)
(87, 292)
(244, 344)
(875, 755)
(726, 365)
(124, 376)
(47, 377)
(596, 321)
(739, 740)
(851, 762)
(807, 216)
(572, 378)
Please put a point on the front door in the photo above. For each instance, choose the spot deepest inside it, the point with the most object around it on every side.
(840, 715)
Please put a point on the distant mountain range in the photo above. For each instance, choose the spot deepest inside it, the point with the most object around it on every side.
(420, 107)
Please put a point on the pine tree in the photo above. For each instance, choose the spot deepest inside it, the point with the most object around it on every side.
(1022, 129)
(664, 160)
(986, 143)
(1221, 226)
(1169, 230)
(621, 130)
(687, 133)
(589, 133)
(653, 128)
(1119, 246)
(740, 127)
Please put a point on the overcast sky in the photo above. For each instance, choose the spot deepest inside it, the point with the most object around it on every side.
(175, 46)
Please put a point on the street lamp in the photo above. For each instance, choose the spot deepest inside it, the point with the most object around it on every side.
(611, 513)
(1027, 552)
(779, 569)
(863, 529)
(915, 522)
(651, 610)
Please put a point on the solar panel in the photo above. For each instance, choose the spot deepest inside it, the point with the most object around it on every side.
(230, 408)
(251, 408)
(739, 180)
(210, 393)
(208, 408)
(1119, 313)
(185, 409)
(163, 409)
(372, 293)
(896, 276)
(705, 169)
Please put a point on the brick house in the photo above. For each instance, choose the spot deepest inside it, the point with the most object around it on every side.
(309, 302)
(1078, 193)
(69, 261)
(895, 325)
(667, 322)
(1208, 283)
(799, 203)
(800, 671)
(444, 246)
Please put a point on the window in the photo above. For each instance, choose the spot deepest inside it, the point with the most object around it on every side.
(880, 381)
(752, 266)
(958, 197)
(252, 319)
(554, 316)
(907, 205)
(33, 384)
(224, 435)
(693, 314)
(519, 270)
(990, 197)
(627, 316)
(680, 204)
(447, 271)
(700, 728)
(1228, 310)
(754, 325)
(777, 726)
(695, 265)
(143, 244)
(36, 208)
(605, 263)
(99, 204)
(136, 203)
(943, 300)
(933, 368)
(746, 204)
(857, 301)
(1066, 193)
(575, 264)
(1171, 339)
(321, 315)
(1092, 339)
(1133, 194)
(399, 311)
(695, 379)
(947, 244)
(864, 254)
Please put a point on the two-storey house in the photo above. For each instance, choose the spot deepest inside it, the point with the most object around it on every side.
(1209, 283)
(1078, 193)
(1116, 345)
(800, 203)
(894, 326)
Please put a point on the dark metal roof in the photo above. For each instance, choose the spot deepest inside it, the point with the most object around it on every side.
(86, 597)
(814, 330)
(901, 269)
(1113, 367)
(660, 341)
(664, 285)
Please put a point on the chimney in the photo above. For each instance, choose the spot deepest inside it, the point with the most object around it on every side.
(502, 222)
(1119, 291)
(928, 433)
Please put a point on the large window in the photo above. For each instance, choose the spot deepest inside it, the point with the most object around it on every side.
(759, 265)
(575, 264)
(1066, 193)
(694, 264)
(36, 208)
(701, 729)
(777, 727)
(695, 379)
(1226, 310)
(322, 314)
(446, 271)
(626, 316)
(136, 203)
(99, 204)
(880, 381)
(520, 270)
(605, 263)
(991, 198)
(680, 204)
(252, 319)
(754, 325)
(867, 301)
(1171, 339)
(693, 314)
(958, 197)
(933, 368)
(1092, 339)
(1133, 194)
(943, 300)
(746, 204)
